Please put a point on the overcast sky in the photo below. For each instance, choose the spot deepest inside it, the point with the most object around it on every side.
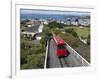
(51, 12)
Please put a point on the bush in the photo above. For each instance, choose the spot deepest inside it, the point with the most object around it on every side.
(22, 45)
(34, 61)
(88, 40)
(54, 24)
(30, 55)
(70, 39)
(71, 30)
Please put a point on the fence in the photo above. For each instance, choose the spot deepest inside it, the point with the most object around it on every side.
(46, 55)
(79, 58)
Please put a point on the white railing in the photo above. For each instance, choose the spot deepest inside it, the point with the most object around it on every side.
(45, 63)
(84, 41)
(79, 58)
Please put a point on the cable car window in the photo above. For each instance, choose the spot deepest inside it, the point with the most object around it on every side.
(61, 47)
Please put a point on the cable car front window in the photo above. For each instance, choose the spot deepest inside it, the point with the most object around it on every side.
(61, 47)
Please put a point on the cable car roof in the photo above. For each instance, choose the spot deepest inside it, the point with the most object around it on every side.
(59, 41)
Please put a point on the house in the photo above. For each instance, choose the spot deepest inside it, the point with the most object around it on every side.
(68, 21)
(40, 28)
(27, 34)
(38, 36)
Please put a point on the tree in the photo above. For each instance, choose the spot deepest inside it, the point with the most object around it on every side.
(54, 24)
(22, 45)
(71, 31)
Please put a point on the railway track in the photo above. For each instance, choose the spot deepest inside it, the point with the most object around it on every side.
(73, 60)
(63, 62)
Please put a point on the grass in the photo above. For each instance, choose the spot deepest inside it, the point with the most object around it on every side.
(83, 50)
(82, 32)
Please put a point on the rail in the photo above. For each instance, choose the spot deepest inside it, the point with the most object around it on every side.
(45, 63)
(79, 58)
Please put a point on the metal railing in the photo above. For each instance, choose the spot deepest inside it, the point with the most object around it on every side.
(46, 55)
(79, 58)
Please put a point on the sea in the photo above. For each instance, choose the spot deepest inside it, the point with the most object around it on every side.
(50, 17)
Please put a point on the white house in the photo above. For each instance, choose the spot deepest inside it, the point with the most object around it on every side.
(40, 29)
(45, 22)
(38, 36)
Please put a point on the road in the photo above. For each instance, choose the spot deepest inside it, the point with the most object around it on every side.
(55, 62)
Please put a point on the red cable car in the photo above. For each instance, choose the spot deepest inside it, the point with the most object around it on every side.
(61, 49)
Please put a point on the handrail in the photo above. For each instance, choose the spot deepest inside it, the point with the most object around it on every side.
(83, 61)
(45, 63)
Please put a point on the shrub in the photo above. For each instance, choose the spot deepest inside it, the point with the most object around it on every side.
(71, 30)
(88, 40)
(54, 24)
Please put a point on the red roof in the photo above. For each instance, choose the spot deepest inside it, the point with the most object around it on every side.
(59, 41)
